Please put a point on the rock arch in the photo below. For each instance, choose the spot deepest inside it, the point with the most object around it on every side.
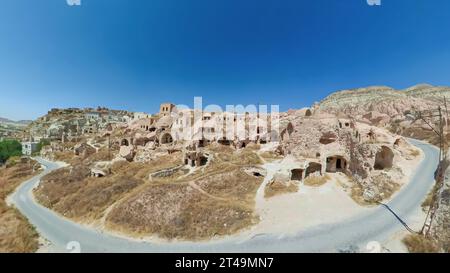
(124, 142)
(286, 133)
(166, 138)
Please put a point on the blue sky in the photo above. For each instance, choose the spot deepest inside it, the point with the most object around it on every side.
(136, 54)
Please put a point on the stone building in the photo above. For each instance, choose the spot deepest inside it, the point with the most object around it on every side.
(166, 109)
(29, 147)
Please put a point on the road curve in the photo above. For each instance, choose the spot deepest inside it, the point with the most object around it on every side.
(377, 224)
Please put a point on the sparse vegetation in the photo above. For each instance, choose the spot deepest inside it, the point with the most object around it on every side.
(385, 186)
(427, 202)
(177, 211)
(278, 188)
(414, 152)
(71, 192)
(356, 194)
(317, 181)
(16, 233)
(419, 244)
(270, 156)
(218, 200)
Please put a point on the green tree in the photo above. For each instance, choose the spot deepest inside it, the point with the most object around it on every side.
(9, 148)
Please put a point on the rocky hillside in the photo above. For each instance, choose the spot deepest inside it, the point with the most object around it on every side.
(386, 107)
(60, 124)
(383, 100)
(428, 92)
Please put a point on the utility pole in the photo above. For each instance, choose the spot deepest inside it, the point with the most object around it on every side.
(109, 146)
(440, 132)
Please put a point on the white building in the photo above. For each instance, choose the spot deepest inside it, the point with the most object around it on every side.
(28, 148)
(92, 115)
(140, 115)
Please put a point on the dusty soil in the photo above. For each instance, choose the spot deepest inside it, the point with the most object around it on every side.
(278, 188)
(16, 233)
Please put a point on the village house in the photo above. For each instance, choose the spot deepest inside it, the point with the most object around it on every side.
(141, 115)
(29, 147)
(166, 109)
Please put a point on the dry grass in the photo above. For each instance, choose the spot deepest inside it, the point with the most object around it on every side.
(233, 185)
(419, 244)
(217, 199)
(16, 233)
(68, 157)
(427, 202)
(270, 156)
(386, 188)
(241, 158)
(71, 192)
(357, 195)
(219, 148)
(252, 147)
(61, 183)
(102, 155)
(414, 152)
(177, 211)
(142, 170)
(317, 181)
(214, 201)
(278, 188)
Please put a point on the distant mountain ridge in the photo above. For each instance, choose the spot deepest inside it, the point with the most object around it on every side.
(19, 122)
(384, 99)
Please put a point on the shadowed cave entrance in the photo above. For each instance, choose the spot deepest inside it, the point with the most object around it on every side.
(297, 174)
(313, 168)
(336, 164)
(384, 158)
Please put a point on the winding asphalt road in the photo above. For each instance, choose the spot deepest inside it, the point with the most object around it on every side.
(377, 224)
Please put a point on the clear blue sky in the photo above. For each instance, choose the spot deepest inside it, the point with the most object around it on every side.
(134, 54)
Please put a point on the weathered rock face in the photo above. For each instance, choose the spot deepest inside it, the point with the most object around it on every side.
(84, 150)
(328, 137)
(440, 228)
(59, 124)
(376, 103)
(127, 152)
(364, 152)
